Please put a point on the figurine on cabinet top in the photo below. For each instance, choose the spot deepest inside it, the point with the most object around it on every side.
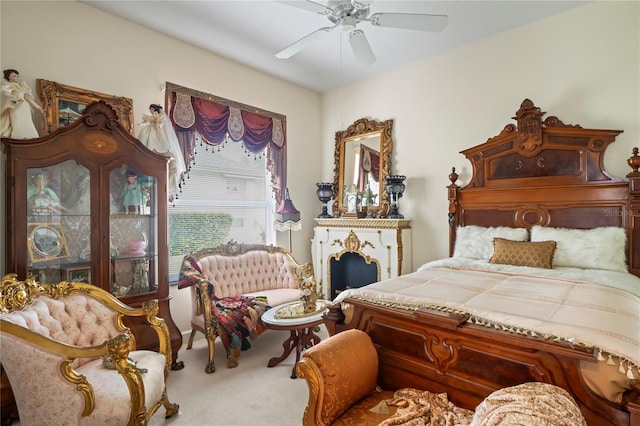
(157, 134)
(134, 196)
(18, 103)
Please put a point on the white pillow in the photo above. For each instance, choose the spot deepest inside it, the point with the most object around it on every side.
(476, 242)
(597, 248)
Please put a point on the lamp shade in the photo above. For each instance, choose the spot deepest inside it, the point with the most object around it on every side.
(287, 216)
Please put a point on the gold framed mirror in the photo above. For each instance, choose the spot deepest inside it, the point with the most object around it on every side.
(46, 242)
(63, 104)
(362, 159)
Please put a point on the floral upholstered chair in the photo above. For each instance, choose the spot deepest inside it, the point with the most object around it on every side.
(71, 360)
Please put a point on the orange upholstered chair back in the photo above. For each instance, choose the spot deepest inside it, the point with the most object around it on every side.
(344, 369)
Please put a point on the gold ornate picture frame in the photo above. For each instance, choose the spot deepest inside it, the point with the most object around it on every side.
(63, 104)
(78, 274)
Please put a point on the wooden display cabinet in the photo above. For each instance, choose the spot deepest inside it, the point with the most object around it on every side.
(89, 203)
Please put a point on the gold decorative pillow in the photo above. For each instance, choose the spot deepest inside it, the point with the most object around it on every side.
(523, 253)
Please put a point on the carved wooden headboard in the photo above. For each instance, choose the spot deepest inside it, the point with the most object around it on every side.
(547, 173)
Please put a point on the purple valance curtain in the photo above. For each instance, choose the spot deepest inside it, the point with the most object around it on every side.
(219, 121)
(210, 120)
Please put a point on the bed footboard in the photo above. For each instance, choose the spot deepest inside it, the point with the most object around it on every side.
(441, 352)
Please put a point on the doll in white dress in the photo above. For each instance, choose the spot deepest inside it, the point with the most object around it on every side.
(157, 134)
(17, 104)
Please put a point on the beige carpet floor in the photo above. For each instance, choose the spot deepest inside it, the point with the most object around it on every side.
(251, 394)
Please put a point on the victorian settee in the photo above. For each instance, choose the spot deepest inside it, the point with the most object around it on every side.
(232, 285)
(342, 376)
(71, 359)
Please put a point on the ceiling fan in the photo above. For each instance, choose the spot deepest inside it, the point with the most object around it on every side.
(347, 14)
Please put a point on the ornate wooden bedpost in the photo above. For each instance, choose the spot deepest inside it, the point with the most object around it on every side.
(634, 212)
(452, 190)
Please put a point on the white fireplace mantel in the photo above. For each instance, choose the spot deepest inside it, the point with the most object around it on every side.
(383, 242)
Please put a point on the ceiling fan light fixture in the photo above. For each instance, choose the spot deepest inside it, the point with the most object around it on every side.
(347, 14)
(348, 23)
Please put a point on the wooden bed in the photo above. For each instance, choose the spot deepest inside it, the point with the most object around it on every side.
(538, 172)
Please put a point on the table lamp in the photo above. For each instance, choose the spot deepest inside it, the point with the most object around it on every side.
(287, 216)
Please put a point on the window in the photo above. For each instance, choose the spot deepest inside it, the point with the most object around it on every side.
(237, 155)
(227, 196)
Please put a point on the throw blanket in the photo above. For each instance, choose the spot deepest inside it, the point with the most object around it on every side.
(529, 404)
(525, 404)
(417, 408)
(235, 318)
(580, 312)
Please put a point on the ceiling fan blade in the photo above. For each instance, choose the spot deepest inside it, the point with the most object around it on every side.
(309, 6)
(305, 41)
(410, 21)
(361, 48)
(361, 4)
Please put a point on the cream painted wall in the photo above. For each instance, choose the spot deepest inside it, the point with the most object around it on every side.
(581, 66)
(77, 45)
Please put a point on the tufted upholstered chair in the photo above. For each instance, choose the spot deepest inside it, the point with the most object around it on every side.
(232, 270)
(55, 338)
(342, 373)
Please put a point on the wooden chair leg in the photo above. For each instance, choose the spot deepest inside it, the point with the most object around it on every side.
(211, 365)
(191, 336)
(233, 358)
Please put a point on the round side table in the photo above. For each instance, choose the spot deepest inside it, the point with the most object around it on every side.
(300, 328)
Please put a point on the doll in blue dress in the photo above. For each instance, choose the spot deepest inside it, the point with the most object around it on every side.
(133, 197)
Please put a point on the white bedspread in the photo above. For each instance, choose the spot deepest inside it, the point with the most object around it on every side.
(598, 309)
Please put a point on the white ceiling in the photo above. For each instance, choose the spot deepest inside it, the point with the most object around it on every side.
(252, 32)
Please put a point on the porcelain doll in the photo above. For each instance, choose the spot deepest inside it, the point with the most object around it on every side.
(133, 197)
(16, 119)
(157, 134)
(42, 199)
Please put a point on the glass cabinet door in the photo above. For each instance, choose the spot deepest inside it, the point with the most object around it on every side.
(59, 223)
(88, 203)
(133, 229)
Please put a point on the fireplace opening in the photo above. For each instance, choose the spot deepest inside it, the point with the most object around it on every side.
(350, 271)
